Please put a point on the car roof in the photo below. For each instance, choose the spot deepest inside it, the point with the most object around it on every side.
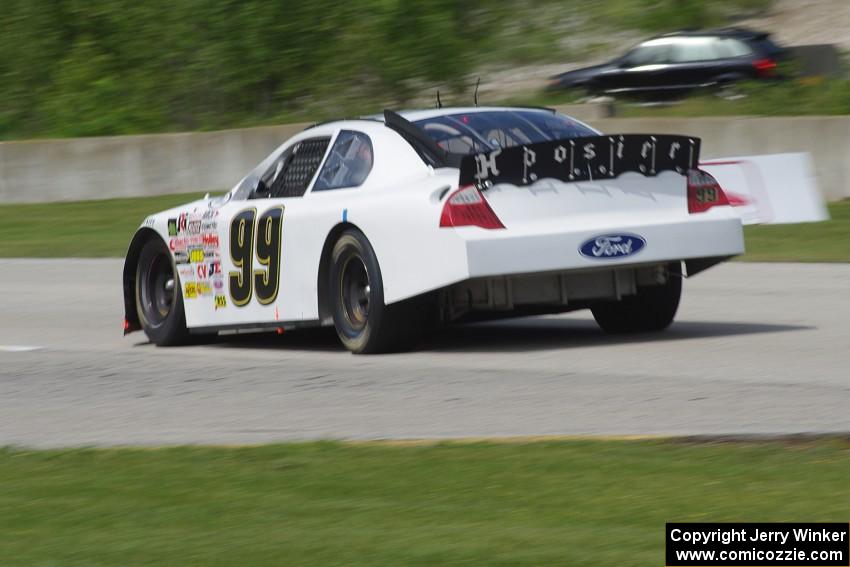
(414, 115)
(679, 40)
(739, 33)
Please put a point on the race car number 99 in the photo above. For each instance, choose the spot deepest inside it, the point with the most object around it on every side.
(267, 232)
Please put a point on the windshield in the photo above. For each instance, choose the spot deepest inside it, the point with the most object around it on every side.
(474, 132)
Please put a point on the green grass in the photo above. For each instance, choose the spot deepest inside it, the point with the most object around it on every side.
(813, 97)
(78, 229)
(546, 503)
(827, 241)
(104, 229)
(127, 67)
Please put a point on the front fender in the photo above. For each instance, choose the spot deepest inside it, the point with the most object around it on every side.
(131, 264)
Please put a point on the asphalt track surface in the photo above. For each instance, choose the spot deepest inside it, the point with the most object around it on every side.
(756, 349)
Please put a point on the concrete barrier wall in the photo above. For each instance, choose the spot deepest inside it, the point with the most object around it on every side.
(131, 166)
(827, 138)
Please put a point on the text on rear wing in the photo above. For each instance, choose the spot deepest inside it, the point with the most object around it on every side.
(589, 158)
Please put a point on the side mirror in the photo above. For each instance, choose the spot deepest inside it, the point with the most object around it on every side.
(258, 189)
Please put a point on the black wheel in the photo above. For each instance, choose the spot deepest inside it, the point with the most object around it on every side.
(159, 302)
(651, 309)
(729, 87)
(729, 91)
(364, 324)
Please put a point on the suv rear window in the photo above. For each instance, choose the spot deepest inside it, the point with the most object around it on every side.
(474, 132)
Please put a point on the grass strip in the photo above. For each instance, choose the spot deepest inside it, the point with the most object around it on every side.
(104, 229)
(540, 503)
(80, 229)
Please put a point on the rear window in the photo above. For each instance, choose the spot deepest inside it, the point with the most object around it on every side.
(348, 164)
(475, 132)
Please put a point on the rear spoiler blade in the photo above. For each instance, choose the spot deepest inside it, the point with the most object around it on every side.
(588, 158)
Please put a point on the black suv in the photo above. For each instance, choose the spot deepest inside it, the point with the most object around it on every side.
(680, 62)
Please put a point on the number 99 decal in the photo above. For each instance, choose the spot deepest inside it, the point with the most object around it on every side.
(267, 232)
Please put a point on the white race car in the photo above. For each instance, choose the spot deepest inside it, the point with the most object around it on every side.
(385, 226)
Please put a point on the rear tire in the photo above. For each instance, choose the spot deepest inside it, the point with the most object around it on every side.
(159, 302)
(364, 324)
(729, 89)
(652, 309)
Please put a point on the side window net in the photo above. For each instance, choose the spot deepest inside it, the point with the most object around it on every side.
(348, 164)
(290, 175)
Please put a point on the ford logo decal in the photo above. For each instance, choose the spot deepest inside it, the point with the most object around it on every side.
(610, 246)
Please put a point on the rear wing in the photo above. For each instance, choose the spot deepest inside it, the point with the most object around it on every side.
(589, 158)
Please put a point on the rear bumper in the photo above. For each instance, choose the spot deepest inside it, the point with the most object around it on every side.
(492, 253)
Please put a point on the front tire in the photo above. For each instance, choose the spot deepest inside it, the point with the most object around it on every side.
(363, 322)
(652, 309)
(159, 302)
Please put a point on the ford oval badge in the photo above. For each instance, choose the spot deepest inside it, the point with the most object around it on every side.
(611, 246)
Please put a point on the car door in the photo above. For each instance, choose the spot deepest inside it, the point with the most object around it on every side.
(247, 281)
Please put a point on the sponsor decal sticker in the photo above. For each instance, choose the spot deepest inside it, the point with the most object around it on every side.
(208, 270)
(612, 246)
(191, 290)
(184, 225)
(196, 255)
(183, 242)
(210, 240)
(220, 302)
